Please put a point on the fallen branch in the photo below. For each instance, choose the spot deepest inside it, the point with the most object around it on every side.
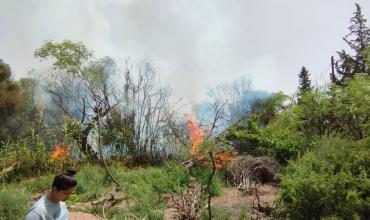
(8, 169)
(105, 203)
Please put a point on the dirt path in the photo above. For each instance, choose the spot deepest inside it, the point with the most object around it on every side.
(232, 201)
(82, 216)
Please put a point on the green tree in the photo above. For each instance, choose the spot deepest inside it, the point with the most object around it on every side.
(351, 108)
(304, 82)
(265, 110)
(5, 71)
(29, 115)
(271, 130)
(314, 113)
(119, 133)
(10, 98)
(340, 111)
(358, 38)
(79, 85)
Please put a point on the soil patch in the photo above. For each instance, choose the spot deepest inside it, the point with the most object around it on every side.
(82, 216)
(233, 201)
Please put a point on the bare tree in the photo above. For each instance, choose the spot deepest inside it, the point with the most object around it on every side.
(147, 101)
(228, 103)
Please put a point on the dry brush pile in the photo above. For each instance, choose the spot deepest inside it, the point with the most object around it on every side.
(247, 171)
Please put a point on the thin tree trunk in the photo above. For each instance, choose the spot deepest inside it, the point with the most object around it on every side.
(209, 185)
(118, 186)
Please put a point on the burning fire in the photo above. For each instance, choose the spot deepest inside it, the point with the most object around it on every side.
(196, 135)
(221, 158)
(59, 153)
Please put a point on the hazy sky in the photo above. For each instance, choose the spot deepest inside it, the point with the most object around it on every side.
(195, 44)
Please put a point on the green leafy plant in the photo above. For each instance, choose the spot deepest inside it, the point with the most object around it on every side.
(332, 180)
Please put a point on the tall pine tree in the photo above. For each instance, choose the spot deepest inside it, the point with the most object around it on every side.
(304, 82)
(358, 39)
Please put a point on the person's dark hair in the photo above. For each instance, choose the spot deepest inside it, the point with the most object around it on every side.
(65, 180)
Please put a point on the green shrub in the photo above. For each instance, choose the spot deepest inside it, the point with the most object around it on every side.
(332, 180)
(74, 198)
(202, 175)
(279, 138)
(144, 188)
(217, 213)
(177, 176)
(27, 158)
(13, 204)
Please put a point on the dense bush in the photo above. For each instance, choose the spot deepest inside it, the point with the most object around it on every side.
(336, 110)
(26, 158)
(340, 110)
(332, 180)
(177, 176)
(278, 139)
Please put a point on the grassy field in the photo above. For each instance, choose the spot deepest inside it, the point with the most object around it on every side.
(143, 190)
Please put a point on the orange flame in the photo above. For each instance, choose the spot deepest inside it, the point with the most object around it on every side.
(196, 135)
(59, 153)
(220, 158)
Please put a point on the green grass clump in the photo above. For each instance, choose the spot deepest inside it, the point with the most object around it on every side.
(33, 185)
(13, 204)
(244, 214)
(217, 213)
(91, 184)
(144, 188)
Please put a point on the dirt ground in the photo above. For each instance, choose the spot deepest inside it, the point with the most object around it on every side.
(232, 201)
(82, 216)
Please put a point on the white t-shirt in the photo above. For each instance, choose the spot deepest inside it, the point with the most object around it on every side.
(44, 209)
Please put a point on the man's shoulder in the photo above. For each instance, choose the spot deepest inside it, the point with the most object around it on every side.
(34, 214)
(63, 205)
(39, 207)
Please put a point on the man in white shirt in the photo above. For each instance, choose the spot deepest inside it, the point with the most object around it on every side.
(51, 206)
